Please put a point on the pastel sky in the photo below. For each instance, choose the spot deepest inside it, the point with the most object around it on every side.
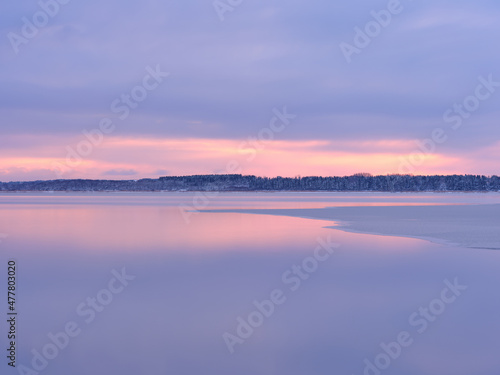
(265, 87)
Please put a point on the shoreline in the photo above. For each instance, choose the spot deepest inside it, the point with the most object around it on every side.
(471, 226)
(257, 191)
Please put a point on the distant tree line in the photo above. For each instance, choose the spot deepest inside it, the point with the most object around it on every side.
(237, 182)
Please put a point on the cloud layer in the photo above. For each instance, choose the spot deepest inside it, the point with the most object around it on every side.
(227, 77)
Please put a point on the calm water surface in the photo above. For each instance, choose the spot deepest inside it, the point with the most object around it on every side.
(195, 274)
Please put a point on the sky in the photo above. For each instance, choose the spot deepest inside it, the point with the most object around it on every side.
(136, 89)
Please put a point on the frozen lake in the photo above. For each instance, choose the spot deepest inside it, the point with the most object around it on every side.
(125, 283)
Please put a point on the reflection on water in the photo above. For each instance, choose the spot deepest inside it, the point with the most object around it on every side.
(194, 279)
